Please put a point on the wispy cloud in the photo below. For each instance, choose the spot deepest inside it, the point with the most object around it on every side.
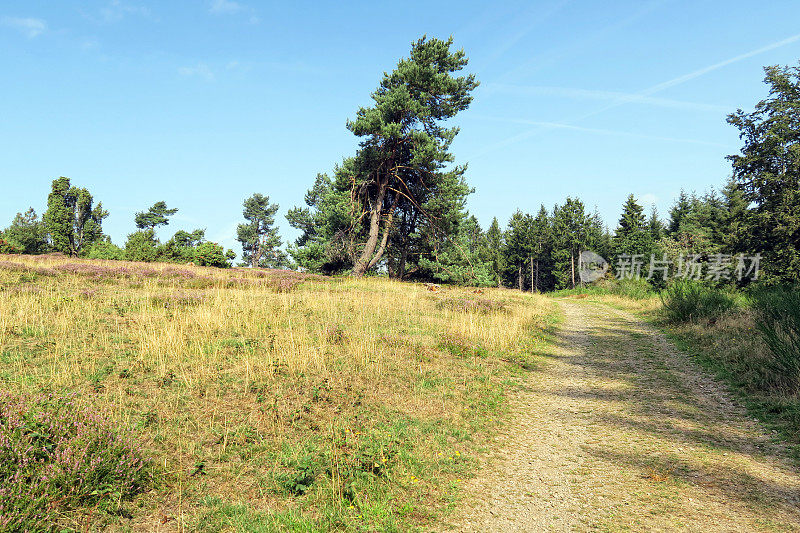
(226, 6)
(606, 96)
(578, 43)
(116, 10)
(705, 70)
(536, 16)
(200, 70)
(598, 131)
(231, 7)
(643, 93)
(30, 27)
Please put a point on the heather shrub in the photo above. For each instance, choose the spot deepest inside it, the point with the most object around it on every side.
(58, 456)
(471, 305)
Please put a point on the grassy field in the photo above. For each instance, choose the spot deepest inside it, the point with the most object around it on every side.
(269, 400)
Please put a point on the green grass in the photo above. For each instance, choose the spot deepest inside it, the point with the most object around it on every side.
(340, 404)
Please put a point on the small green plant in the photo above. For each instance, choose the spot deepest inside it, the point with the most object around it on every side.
(301, 475)
(778, 319)
(460, 347)
(690, 300)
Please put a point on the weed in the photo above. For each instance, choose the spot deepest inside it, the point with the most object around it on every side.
(778, 320)
(688, 300)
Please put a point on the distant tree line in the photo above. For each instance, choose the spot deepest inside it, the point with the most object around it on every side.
(72, 225)
(397, 207)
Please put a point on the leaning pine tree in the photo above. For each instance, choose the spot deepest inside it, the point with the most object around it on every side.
(400, 167)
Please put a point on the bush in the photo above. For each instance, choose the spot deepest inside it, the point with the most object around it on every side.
(57, 456)
(635, 288)
(778, 319)
(7, 248)
(141, 246)
(688, 300)
(212, 254)
(106, 250)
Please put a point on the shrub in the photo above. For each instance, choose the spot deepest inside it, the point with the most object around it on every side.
(212, 254)
(778, 319)
(141, 246)
(106, 250)
(7, 248)
(57, 456)
(636, 289)
(687, 300)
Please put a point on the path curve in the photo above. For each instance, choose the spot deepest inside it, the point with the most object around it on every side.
(620, 431)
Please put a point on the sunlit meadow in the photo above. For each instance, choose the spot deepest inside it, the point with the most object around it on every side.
(271, 399)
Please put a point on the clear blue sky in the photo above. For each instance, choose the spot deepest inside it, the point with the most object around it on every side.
(203, 103)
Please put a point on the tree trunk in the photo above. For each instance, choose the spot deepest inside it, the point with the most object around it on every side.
(256, 256)
(363, 262)
(401, 270)
(537, 275)
(572, 267)
(519, 277)
(387, 228)
(533, 284)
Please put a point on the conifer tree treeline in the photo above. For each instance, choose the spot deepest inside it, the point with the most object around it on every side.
(398, 206)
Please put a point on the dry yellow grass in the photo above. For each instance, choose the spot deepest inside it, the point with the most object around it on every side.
(241, 370)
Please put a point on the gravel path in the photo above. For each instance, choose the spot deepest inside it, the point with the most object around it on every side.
(619, 431)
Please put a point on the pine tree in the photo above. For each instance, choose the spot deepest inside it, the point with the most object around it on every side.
(633, 235)
(541, 248)
(518, 248)
(327, 223)
(655, 225)
(261, 244)
(157, 215)
(734, 237)
(461, 258)
(405, 146)
(26, 233)
(678, 213)
(400, 201)
(571, 231)
(495, 245)
(768, 170)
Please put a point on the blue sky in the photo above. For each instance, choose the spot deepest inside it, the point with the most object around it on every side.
(203, 103)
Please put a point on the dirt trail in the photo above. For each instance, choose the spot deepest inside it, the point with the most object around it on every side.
(619, 431)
